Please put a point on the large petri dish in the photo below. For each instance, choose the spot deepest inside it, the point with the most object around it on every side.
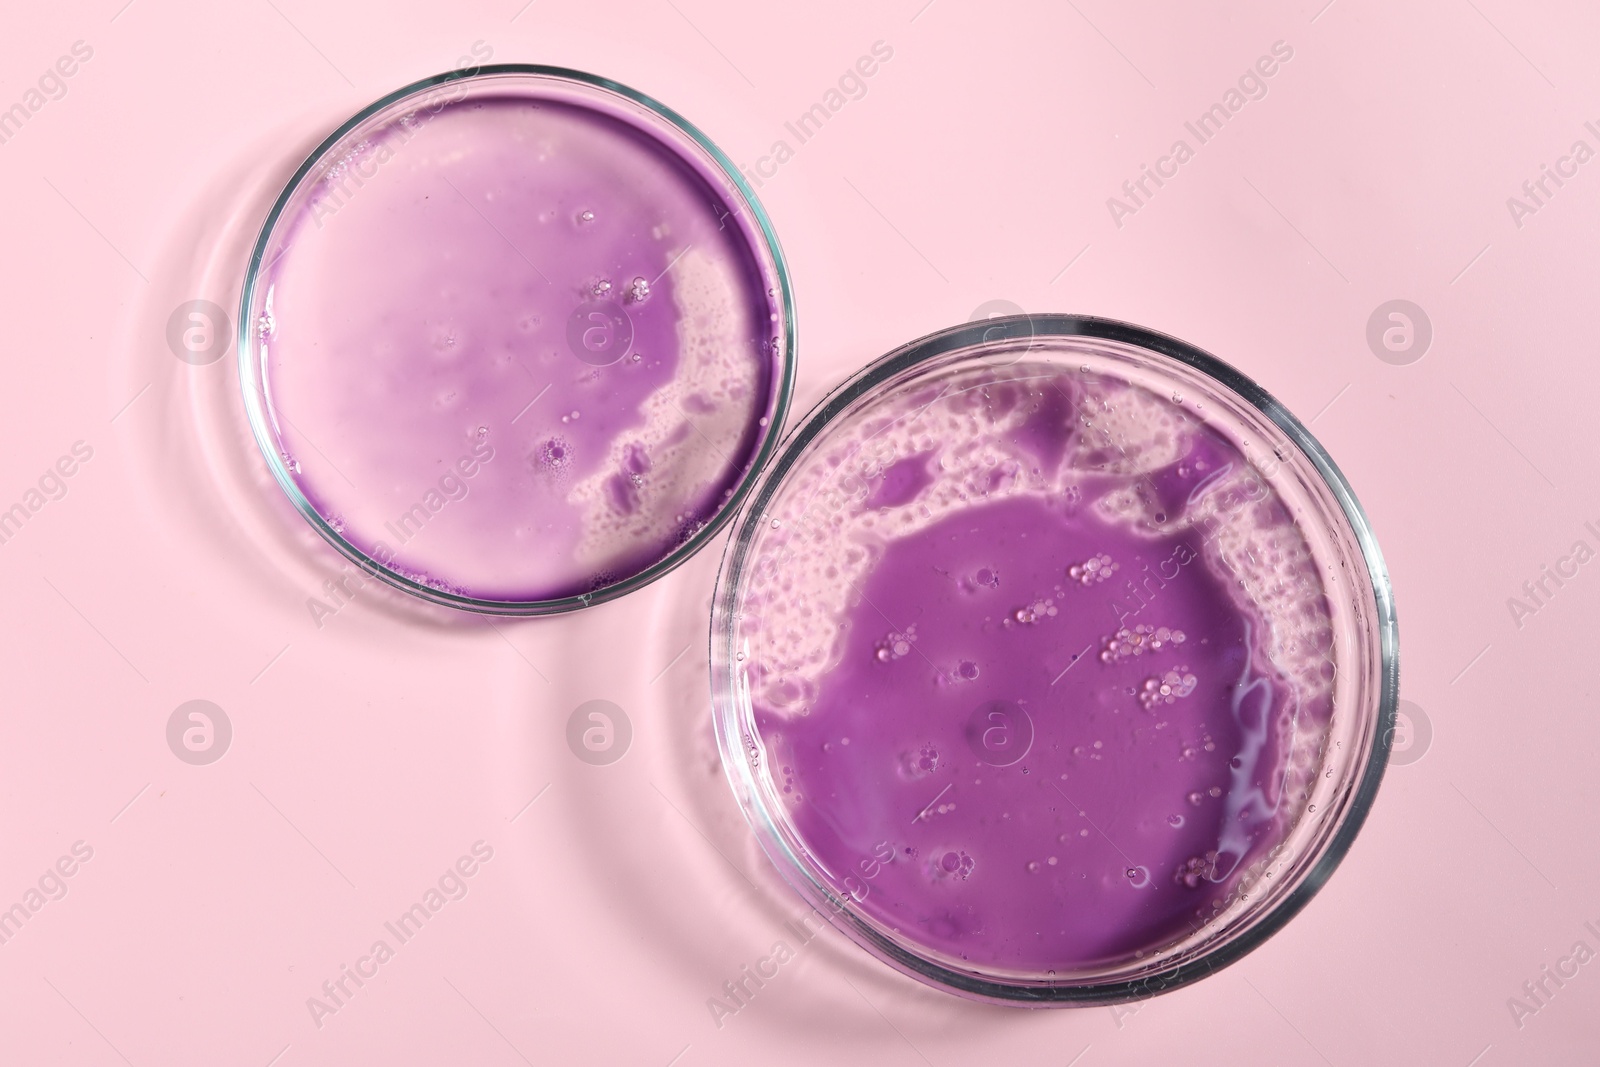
(1053, 661)
(515, 340)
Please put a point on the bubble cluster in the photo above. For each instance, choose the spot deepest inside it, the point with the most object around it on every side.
(1093, 570)
(555, 454)
(1029, 614)
(897, 644)
(1171, 686)
(601, 288)
(923, 762)
(1138, 640)
(1195, 870)
(638, 291)
(954, 864)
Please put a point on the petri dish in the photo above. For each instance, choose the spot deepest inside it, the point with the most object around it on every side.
(515, 340)
(1053, 661)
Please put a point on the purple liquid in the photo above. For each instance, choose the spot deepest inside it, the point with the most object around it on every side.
(1074, 688)
(518, 348)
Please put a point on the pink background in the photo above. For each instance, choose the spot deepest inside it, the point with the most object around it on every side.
(368, 754)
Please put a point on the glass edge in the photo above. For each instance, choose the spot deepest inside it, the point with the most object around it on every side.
(1361, 795)
(782, 396)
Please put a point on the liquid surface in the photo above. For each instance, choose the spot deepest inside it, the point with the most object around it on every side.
(517, 348)
(1039, 668)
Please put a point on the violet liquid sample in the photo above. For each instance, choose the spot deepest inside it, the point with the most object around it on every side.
(518, 348)
(1040, 668)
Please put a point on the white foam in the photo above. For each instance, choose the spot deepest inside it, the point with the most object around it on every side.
(694, 424)
(808, 570)
(828, 540)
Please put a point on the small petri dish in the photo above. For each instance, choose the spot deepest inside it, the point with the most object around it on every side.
(515, 340)
(1053, 661)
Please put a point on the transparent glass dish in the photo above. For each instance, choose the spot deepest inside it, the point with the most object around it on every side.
(954, 752)
(516, 339)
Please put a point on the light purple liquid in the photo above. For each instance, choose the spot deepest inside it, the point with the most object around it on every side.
(1073, 688)
(518, 348)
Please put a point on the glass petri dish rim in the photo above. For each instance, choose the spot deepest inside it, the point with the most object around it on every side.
(1368, 774)
(255, 404)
